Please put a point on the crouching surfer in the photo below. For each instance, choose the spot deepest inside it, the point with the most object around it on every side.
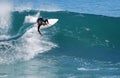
(40, 22)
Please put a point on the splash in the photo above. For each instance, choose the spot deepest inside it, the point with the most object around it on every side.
(5, 17)
(25, 47)
(31, 19)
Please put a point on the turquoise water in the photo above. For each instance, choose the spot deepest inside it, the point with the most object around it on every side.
(80, 45)
(99, 7)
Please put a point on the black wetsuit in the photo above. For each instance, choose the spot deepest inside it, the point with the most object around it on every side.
(39, 22)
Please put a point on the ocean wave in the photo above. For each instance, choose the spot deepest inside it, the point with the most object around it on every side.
(29, 8)
(76, 30)
(24, 45)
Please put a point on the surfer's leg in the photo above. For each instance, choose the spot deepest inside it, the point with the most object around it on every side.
(39, 29)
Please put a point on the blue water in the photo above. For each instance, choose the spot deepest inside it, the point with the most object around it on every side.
(99, 7)
(84, 43)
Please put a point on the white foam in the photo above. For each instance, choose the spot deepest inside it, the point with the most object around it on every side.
(87, 69)
(4, 75)
(2, 37)
(83, 69)
(34, 43)
(6, 52)
(5, 17)
(31, 19)
(25, 48)
(114, 76)
(7, 8)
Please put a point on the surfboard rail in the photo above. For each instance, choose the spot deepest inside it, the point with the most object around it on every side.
(51, 23)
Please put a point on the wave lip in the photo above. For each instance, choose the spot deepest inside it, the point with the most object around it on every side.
(41, 8)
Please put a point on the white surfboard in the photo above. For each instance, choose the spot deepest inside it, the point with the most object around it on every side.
(34, 28)
(51, 23)
(33, 19)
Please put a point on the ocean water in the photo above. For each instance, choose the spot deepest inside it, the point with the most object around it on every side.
(84, 43)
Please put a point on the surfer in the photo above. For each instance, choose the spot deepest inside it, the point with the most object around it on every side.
(40, 22)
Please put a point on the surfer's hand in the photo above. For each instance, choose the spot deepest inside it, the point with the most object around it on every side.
(43, 23)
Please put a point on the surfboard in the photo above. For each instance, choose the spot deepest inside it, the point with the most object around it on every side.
(51, 23)
(33, 19)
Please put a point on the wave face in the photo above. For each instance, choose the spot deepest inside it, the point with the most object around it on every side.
(74, 32)
(87, 35)
(76, 44)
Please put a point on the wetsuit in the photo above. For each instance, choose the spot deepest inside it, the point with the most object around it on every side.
(39, 22)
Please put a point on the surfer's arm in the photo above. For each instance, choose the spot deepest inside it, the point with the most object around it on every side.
(43, 23)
